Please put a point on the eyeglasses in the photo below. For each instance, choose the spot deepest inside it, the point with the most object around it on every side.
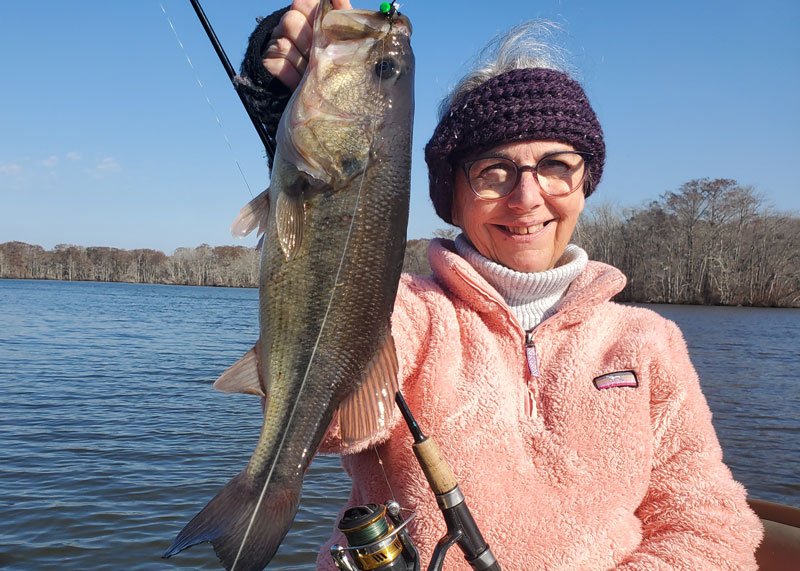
(558, 174)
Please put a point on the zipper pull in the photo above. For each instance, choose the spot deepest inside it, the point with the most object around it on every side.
(530, 352)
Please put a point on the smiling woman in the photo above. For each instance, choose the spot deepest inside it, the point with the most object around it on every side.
(512, 354)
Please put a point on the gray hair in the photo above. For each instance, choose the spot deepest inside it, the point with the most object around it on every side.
(530, 44)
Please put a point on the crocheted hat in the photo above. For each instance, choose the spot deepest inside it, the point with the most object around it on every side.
(532, 103)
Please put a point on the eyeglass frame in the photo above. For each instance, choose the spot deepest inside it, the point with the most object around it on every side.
(586, 156)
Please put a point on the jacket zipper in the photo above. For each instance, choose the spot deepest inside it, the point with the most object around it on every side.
(533, 367)
(530, 353)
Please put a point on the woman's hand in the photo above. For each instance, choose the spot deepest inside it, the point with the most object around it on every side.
(287, 53)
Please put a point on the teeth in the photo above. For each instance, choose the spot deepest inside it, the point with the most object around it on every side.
(524, 229)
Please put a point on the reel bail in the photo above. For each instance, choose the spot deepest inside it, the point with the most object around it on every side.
(377, 540)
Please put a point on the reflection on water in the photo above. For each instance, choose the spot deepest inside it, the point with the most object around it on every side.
(748, 361)
(112, 438)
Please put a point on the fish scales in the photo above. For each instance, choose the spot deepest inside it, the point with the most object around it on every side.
(351, 332)
(334, 221)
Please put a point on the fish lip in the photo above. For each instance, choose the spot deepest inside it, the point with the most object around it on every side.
(399, 24)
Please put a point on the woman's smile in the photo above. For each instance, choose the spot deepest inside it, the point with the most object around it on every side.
(523, 229)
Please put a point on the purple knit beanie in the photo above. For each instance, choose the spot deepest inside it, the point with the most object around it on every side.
(531, 103)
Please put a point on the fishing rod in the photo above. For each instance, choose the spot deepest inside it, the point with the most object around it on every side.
(383, 547)
(461, 527)
(269, 144)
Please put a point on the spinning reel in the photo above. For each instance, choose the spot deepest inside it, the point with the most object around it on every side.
(377, 539)
(378, 544)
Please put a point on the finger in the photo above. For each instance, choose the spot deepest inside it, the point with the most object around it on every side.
(284, 71)
(282, 51)
(295, 27)
(307, 7)
(285, 49)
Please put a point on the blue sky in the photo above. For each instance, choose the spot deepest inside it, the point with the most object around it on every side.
(108, 140)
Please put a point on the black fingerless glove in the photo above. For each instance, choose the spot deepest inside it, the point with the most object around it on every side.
(266, 95)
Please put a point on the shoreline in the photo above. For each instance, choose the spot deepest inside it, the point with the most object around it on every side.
(627, 302)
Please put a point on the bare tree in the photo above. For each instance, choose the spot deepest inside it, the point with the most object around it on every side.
(416, 257)
(710, 241)
(448, 233)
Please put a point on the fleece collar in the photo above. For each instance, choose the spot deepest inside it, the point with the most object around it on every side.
(596, 284)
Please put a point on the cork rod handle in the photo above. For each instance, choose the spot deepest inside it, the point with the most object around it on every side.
(435, 467)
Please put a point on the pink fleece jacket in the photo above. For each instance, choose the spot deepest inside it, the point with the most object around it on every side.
(558, 473)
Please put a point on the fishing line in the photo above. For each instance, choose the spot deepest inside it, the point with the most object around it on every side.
(208, 99)
(321, 329)
(385, 477)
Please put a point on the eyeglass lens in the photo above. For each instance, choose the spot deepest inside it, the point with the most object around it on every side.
(557, 174)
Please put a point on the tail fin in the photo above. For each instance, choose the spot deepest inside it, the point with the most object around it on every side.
(226, 523)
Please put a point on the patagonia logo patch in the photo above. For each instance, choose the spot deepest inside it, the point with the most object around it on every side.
(618, 379)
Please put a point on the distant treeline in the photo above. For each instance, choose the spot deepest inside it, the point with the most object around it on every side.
(711, 242)
(235, 266)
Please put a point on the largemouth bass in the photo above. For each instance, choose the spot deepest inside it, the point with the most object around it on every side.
(334, 220)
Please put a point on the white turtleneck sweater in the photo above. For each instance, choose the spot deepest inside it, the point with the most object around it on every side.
(532, 297)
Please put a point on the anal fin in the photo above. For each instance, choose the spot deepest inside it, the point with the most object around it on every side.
(245, 375)
(369, 408)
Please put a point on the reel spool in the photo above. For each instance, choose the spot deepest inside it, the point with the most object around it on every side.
(377, 540)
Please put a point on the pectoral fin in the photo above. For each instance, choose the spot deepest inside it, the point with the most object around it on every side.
(369, 408)
(290, 219)
(244, 376)
(253, 215)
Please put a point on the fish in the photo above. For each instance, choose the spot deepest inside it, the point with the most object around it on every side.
(334, 222)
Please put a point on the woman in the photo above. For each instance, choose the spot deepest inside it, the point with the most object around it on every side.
(576, 426)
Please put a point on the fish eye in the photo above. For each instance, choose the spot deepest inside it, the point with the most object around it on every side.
(386, 68)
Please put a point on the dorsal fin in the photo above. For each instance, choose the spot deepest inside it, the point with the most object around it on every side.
(244, 376)
(253, 215)
(369, 408)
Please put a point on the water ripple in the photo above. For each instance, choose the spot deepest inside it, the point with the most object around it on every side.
(112, 438)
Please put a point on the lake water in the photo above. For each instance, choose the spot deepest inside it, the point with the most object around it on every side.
(111, 437)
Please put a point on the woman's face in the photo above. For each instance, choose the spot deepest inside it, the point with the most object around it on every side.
(527, 230)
